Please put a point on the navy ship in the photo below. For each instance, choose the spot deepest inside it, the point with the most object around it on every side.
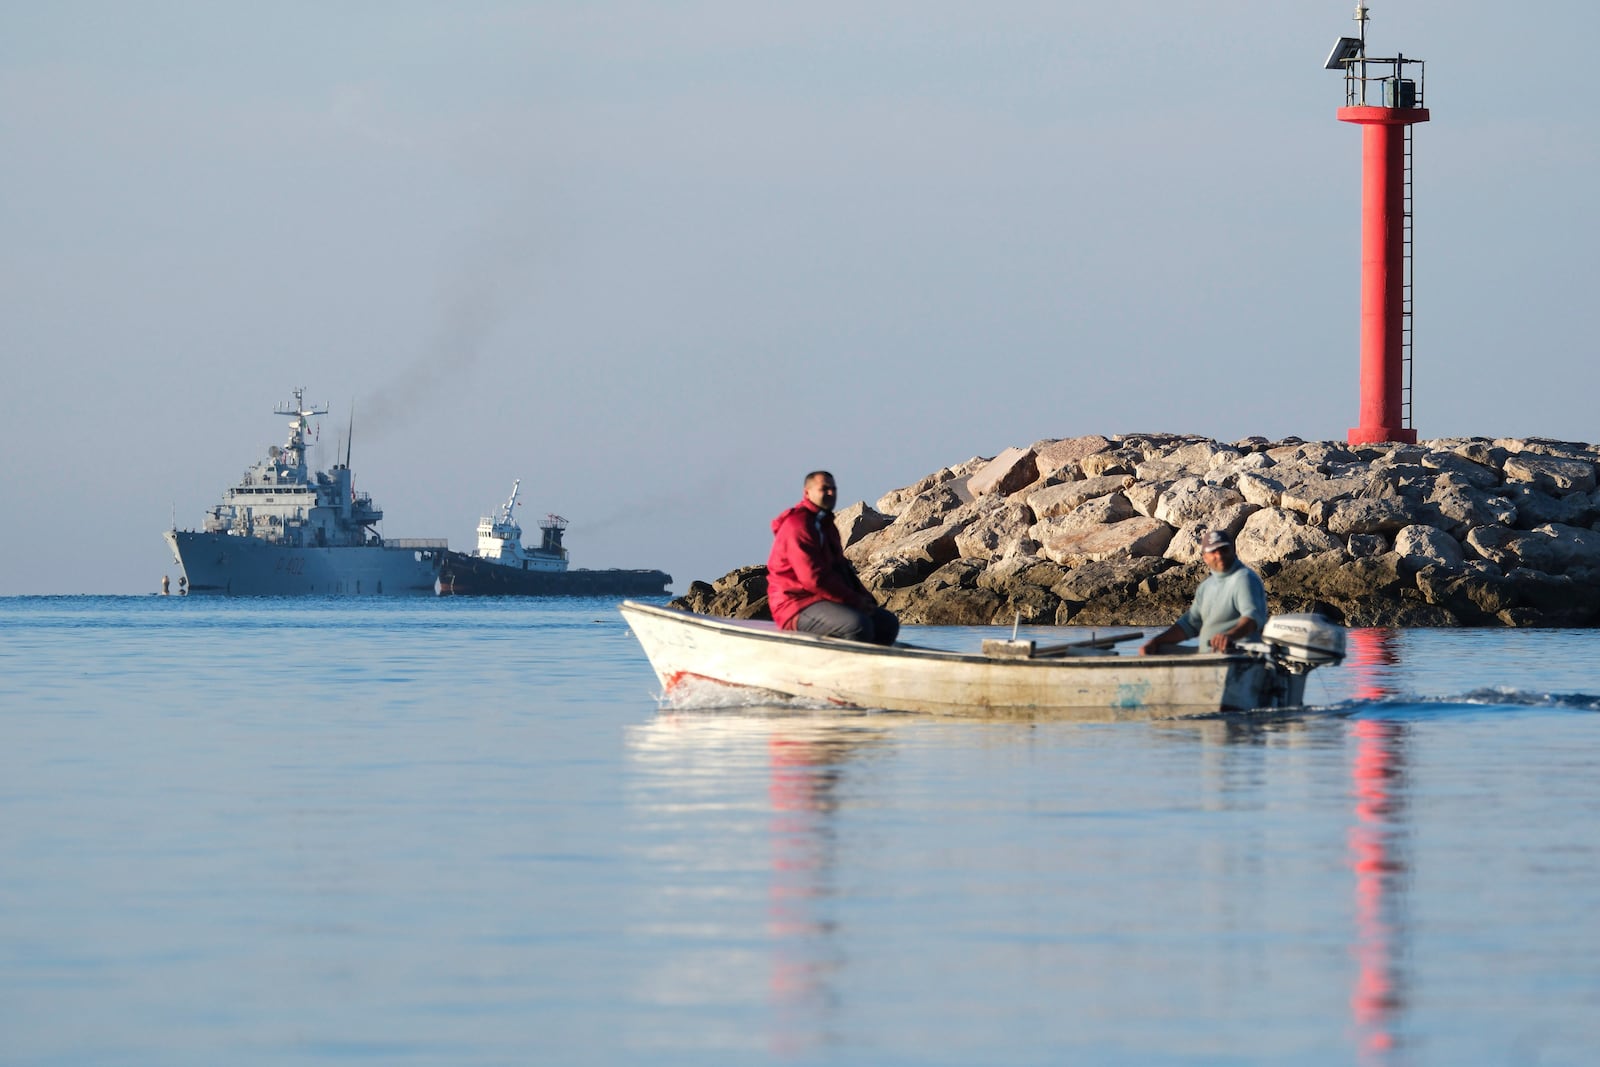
(501, 566)
(286, 531)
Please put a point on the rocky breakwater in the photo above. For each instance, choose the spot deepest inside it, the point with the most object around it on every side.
(1105, 531)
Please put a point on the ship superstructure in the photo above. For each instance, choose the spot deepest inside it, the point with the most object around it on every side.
(285, 530)
(500, 539)
(501, 566)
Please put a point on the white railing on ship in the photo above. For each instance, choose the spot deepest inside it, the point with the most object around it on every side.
(417, 542)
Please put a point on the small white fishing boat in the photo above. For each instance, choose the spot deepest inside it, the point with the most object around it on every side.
(1086, 679)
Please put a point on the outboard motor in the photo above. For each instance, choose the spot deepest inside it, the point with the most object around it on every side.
(1304, 641)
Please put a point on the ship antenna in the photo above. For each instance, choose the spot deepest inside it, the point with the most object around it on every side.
(1361, 23)
(349, 438)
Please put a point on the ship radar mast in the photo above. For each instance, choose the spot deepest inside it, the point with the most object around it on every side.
(294, 454)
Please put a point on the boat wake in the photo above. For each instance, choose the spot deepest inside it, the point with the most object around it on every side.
(1517, 698)
(706, 694)
(1473, 701)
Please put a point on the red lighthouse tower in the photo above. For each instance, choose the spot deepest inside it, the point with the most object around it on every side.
(1384, 98)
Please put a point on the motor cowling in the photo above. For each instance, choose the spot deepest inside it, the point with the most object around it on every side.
(1305, 638)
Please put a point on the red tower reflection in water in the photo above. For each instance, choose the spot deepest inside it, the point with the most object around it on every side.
(805, 770)
(1377, 852)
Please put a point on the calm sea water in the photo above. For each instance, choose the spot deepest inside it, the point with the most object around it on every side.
(463, 832)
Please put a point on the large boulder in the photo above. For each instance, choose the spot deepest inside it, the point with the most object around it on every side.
(892, 503)
(1185, 544)
(1428, 546)
(1535, 507)
(1367, 515)
(929, 508)
(1060, 459)
(1277, 534)
(1107, 465)
(1462, 506)
(1013, 469)
(1189, 500)
(1101, 511)
(739, 594)
(1259, 489)
(1312, 492)
(1550, 473)
(1102, 579)
(1138, 536)
(998, 528)
(1058, 499)
(858, 520)
(1477, 475)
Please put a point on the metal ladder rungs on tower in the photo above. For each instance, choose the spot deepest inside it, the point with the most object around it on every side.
(1406, 338)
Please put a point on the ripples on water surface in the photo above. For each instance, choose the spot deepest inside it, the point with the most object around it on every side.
(461, 832)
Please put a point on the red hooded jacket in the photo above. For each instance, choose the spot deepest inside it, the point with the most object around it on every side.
(807, 564)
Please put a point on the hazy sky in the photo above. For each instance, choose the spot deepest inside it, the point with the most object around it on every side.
(659, 259)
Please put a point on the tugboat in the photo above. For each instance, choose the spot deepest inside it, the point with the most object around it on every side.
(286, 531)
(501, 566)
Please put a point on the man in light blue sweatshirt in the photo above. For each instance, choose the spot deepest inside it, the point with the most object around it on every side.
(1229, 605)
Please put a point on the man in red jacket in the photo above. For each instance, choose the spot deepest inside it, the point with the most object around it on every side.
(810, 585)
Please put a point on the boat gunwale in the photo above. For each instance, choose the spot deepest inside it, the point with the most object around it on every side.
(763, 630)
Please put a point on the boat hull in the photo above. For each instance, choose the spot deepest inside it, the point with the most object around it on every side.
(464, 575)
(229, 565)
(687, 650)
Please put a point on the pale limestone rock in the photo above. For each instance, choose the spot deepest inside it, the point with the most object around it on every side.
(1260, 490)
(892, 502)
(1138, 536)
(1227, 472)
(1363, 515)
(1190, 500)
(1303, 496)
(995, 531)
(1463, 507)
(1570, 550)
(1056, 457)
(1480, 451)
(1059, 499)
(857, 521)
(1475, 474)
(1312, 454)
(1504, 547)
(1544, 446)
(1101, 464)
(936, 544)
(1161, 469)
(1021, 568)
(930, 507)
(1551, 474)
(1421, 546)
(1144, 496)
(1201, 456)
(1278, 534)
(1011, 470)
(1101, 511)
(1185, 544)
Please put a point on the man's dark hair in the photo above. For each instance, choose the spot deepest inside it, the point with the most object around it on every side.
(815, 475)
